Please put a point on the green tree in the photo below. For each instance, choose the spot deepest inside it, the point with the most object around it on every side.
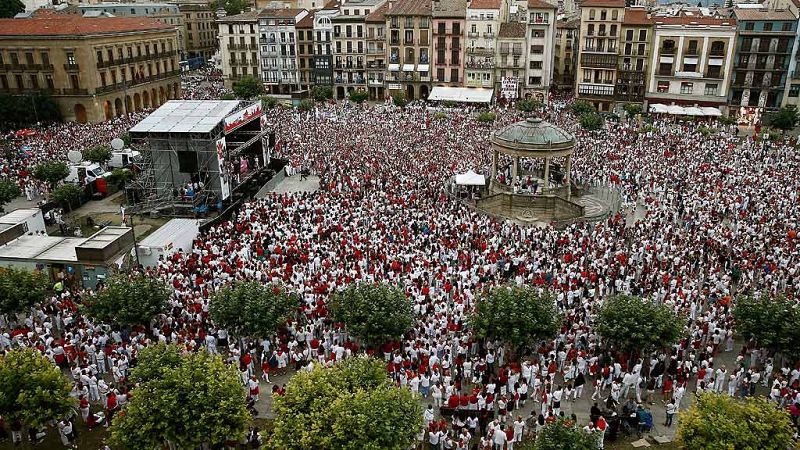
(120, 176)
(128, 301)
(563, 434)
(581, 107)
(252, 309)
(10, 8)
(8, 191)
(99, 154)
(248, 87)
(591, 121)
(67, 195)
(486, 117)
(228, 96)
(632, 109)
(20, 289)
(359, 96)
(785, 119)
(17, 111)
(51, 172)
(519, 316)
(350, 406)
(771, 323)
(526, 105)
(154, 361)
(32, 389)
(231, 7)
(399, 99)
(305, 105)
(197, 402)
(269, 102)
(439, 115)
(718, 421)
(375, 313)
(321, 93)
(632, 324)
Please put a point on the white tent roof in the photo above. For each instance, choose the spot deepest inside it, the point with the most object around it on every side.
(658, 108)
(693, 111)
(676, 110)
(460, 94)
(470, 179)
(709, 111)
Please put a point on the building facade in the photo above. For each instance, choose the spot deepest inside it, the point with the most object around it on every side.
(323, 46)
(94, 68)
(448, 22)
(238, 45)
(510, 60)
(163, 12)
(408, 24)
(305, 51)
(201, 28)
(565, 59)
(692, 58)
(279, 59)
(349, 50)
(376, 52)
(601, 22)
(482, 24)
(541, 34)
(634, 56)
(762, 57)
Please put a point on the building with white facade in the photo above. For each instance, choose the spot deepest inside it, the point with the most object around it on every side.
(279, 60)
(482, 25)
(238, 45)
(541, 39)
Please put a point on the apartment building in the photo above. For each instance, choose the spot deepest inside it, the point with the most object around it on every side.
(349, 39)
(692, 58)
(278, 39)
(565, 59)
(634, 56)
(482, 24)
(541, 36)
(239, 48)
(601, 22)
(510, 60)
(162, 12)
(408, 24)
(94, 68)
(323, 45)
(448, 20)
(762, 57)
(305, 51)
(376, 52)
(201, 28)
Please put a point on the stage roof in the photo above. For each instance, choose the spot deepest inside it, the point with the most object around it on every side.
(186, 116)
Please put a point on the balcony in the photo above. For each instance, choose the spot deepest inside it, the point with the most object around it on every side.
(480, 50)
(372, 82)
(504, 50)
(479, 64)
(425, 79)
(479, 83)
(516, 51)
(72, 91)
(716, 52)
(71, 67)
(664, 73)
(488, 35)
(473, 34)
(375, 51)
(375, 65)
(595, 90)
(665, 51)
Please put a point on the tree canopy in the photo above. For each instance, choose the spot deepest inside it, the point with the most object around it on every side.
(399, 99)
(631, 323)
(773, 323)
(359, 96)
(352, 405)
(563, 434)
(785, 119)
(248, 87)
(8, 191)
(128, 301)
(231, 7)
(20, 289)
(32, 389)
(51, 172)
(321, 93)
(195, 401)
(251, 309)
(581, 107)
(17, 111)
(526, 105)
(519, 316)
(375, 313)
(98, 154)
(591, 121)
(269, 102)
(67, 195)
(10, 8)
(718, 421)
(305, 105)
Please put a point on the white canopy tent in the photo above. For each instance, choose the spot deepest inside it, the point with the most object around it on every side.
(709, 111)
(460, 94)
(693, 111)
(470, 179)
(676, 110)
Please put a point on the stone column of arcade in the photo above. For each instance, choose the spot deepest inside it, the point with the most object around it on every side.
(546, 186)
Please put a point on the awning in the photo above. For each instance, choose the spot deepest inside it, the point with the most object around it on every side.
(693, 111)
(470, 179)
(461, 94)
(408, 67)
(423, 68)
(394, 67)
(709, 111)
(675, 110)
(658, 108)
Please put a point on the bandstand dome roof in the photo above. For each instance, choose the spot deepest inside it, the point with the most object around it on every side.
(533, 134)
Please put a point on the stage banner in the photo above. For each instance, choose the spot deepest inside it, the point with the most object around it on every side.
(224, 176)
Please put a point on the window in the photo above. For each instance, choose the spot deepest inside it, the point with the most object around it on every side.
(643, 35)
(787, 26)
(440, 74)
(687, 88)
(689, 67)
(692, 50)
(49, 80)
(71, 58)
(714, 72)
(535, 64)
(794, 90)
(663, 87)
(591, 14)
(768, 26)
(748, 26)
(717, 48)
(614, 14)
(603, 14)
(629, 35)
(711, 89)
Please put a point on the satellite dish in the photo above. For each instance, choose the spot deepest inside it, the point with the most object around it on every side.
(74, 156)
(117, 144)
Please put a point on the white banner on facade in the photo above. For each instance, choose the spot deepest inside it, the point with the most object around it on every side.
(224, 176)
(509, 87)
(242, 117)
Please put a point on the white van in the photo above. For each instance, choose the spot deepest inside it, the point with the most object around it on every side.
(85, 172)
(124, 158)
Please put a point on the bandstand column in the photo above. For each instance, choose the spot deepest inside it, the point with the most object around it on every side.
(546, 186)
(569, 179)
(494, 166)
(516, 169)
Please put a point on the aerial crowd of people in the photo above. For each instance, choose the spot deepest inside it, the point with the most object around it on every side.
(708, 219)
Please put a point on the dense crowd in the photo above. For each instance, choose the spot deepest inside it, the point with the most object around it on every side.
(719, 219)
(203, 84)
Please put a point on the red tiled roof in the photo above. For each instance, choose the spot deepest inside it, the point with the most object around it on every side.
(484, 4)
(693, 20)
(410, 8)
(636, 16)
(280, 12)
(307, 21)
(539, 4)
(379, 15)
(604, 3)
(68, 25)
